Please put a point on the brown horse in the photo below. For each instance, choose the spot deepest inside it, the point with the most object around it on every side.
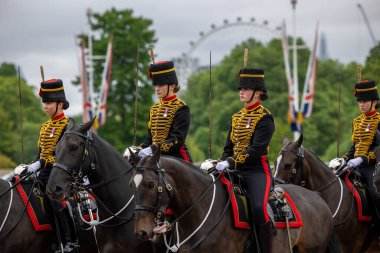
(204, 224)
(79, 154)
(17, 233)
(376, 179)
(297, 165)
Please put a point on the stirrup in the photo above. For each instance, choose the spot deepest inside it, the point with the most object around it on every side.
(68, 247)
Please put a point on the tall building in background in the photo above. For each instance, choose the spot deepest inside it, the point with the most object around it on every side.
(323, 52)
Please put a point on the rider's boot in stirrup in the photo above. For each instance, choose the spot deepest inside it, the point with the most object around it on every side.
(266, 237)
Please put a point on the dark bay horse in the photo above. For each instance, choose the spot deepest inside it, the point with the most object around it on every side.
(376, 179)
(16, 230)
(166, 182)
(298, 165)
(78, 154)
(17, 233)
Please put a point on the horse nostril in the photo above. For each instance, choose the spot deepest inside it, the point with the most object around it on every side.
(142, 235)
(58, 190)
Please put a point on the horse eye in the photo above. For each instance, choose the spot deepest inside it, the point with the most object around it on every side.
(74, 147)
(149, 185)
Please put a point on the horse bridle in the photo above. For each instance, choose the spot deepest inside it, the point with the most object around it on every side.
(298, 167)
(162, 184)
(86, 165)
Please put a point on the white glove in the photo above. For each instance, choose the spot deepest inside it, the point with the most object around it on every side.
(34, 166)
(20, 169)
(337, 163)
(208, 164)
(355, 162)
(134, 149)
(145, 152)
(222, 165)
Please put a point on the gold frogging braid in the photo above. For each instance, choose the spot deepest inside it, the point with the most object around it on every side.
(243, 125)
(364, 131)
(161, 119)
(50, 133)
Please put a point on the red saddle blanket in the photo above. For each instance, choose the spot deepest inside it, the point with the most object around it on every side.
(364, 214)
(239, 206)
(35, 207)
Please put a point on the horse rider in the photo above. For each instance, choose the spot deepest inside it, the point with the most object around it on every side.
(246, 150)
(169, 119)
(54, 102)
(361, 154)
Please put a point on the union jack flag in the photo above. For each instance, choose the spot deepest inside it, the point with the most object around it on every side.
(106, 80)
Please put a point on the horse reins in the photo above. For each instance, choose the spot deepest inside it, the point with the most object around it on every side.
(299, 166)
(159, 214)
(86, 166)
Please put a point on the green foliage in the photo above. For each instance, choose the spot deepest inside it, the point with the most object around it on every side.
(128, 33)
(8, 69)
(320, 131)
(372, 65)
(10, 127)
(6, 162)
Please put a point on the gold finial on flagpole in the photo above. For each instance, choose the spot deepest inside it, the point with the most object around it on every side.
(245, 57)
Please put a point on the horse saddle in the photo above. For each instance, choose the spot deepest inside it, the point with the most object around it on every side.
(34, 203)
(354, 183)
(281, 207)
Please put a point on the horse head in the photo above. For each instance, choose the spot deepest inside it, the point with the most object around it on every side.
(152, 196)
(73, 160)
(376, 179)
(289, 162)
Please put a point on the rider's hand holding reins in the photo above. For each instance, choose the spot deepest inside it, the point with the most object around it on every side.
(222, 165)
(355, 162)
(34, 166)
(145, 152)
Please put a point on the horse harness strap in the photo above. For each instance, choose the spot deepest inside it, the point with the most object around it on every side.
(160, 190)
(86, 163)
(299, 163)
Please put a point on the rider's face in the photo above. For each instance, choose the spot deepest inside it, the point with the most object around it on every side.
(162, 89)
(245, 95)
(50, 108)
(366, 106)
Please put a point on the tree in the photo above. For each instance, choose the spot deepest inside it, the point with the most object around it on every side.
(129, 33)
(320, 130)
(372, 64)
(10, 127)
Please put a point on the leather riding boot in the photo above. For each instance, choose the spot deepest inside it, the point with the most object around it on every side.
(69, 236)
(266, 237)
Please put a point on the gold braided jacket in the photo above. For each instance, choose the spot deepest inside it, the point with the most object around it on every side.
(245, 145)
(363, 136)
(161, 120)
(50, 134)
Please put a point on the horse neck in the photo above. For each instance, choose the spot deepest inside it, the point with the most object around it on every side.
(319, 175)
(111, 165)
(188, 185)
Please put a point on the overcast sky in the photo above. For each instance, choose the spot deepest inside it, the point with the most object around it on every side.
(42, 32)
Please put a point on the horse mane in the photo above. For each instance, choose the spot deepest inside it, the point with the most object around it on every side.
(180, 162)
(317, 157)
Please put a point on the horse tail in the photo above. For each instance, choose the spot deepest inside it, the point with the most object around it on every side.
(333, 246)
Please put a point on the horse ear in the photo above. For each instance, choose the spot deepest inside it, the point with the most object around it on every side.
(71, 124)
(156, 150)
(299, 141)
(134, 158)
(86, 126)
(285, 141)
(378, 136)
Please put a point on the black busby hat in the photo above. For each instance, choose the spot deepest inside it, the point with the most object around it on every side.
(52, 91)
(163, 72)
(253, 78)
(366, 91)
